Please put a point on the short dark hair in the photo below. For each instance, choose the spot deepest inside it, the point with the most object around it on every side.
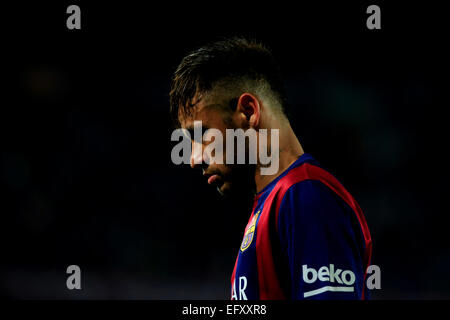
(229, 61)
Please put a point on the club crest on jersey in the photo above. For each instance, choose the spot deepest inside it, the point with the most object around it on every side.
(249, 233)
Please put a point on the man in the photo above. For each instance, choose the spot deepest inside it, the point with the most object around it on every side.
(306, 237)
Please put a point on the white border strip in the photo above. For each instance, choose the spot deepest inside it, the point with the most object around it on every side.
(327, 288)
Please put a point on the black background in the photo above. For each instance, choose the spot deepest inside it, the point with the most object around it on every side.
(86, 174)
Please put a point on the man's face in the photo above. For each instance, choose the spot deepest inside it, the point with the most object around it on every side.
(227, 178)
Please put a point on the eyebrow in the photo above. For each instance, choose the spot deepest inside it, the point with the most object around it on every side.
(207, 106)
(190, 128)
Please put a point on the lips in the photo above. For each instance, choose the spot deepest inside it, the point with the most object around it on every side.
(214, 179)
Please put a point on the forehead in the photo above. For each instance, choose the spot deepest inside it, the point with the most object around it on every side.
(211, 115)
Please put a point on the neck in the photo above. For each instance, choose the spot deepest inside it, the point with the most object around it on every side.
(290, 150)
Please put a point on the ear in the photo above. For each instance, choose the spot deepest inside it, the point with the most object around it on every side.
(248, 106)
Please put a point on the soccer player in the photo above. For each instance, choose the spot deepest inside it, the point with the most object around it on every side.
(306, 237)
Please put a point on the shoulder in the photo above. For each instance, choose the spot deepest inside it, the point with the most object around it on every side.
(310, 187)
(311, 199)
(318, 209)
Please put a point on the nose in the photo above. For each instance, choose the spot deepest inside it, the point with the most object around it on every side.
(196, 155)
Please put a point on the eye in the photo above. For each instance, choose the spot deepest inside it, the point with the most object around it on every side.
(191, 133)
(197, 139)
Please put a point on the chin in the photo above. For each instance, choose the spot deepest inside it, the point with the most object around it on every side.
(224, 189)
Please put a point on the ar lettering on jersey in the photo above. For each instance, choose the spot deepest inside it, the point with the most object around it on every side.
(241, 291)
(328, 274)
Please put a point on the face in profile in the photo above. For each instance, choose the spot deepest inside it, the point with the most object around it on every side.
(227, 178)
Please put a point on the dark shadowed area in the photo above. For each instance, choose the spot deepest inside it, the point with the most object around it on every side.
(85, 167)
